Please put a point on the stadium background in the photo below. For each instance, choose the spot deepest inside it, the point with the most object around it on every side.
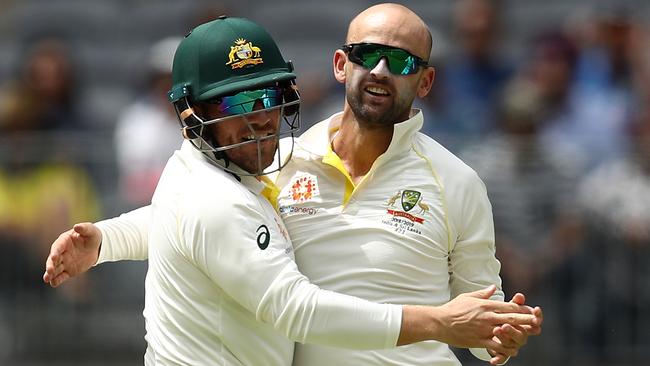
(547, 100)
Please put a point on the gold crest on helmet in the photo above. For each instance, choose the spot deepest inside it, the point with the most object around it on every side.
(244, 53)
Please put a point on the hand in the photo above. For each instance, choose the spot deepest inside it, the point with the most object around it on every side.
(72, 253)
(513, 337)
(470, 320)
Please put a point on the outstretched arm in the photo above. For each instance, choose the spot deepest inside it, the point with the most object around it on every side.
(85, 245)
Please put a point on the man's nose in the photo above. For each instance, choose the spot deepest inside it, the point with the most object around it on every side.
(261, 116)
(381, 70)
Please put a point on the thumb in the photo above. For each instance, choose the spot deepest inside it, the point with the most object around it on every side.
(83, 229)
(485, 293)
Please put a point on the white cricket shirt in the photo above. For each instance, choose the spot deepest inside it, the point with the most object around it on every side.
(222, 286)
(417, 229)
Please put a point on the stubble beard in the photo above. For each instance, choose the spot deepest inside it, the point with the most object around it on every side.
(376, 115)
(246, 156)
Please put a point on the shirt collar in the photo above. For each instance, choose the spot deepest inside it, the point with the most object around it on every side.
(263, 186)
(317, 139)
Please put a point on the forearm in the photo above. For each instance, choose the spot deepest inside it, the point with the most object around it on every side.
(419, 323)
(466, 321)
(125, 237)
(307, 314)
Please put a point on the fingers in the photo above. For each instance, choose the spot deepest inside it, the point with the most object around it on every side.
(52, 266)
(485, 293)
(61, 244)
(500, 352)
(532, 330)
(535, 329)
(519, 299)
(511, 336)
(56, 277)
(537, 311)
(53, 263)
(510, 307)
(516, 319)
(509, 339)
(55, 282)
(47, 277)
(498, 359)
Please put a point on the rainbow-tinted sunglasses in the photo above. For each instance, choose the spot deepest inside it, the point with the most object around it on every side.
(368, 55)
(244, 102)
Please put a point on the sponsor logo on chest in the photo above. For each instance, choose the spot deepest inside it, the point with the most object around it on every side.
(302, 188)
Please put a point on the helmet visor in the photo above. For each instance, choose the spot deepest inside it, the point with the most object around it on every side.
(244, 102)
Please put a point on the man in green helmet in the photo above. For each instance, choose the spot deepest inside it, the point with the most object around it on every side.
(222, 286)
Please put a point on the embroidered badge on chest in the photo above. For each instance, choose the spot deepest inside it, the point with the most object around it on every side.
(406, 208)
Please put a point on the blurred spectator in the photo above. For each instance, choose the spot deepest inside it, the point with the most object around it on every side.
(616, 200)
(605, 80)
(37, 107)
(467, 84)
(608, 51)
(42, 189)
(531, 186)
(148, 132)
(570, 122)
(42, 98)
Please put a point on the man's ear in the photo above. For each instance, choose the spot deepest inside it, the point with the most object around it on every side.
(340, 59)
(426, 82)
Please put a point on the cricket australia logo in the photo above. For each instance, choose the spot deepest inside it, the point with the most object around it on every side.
(408, 200)
(244, 53)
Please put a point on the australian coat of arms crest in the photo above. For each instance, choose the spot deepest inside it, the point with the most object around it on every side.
(244, 53)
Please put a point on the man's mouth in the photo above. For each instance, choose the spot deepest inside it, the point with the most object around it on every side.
(252, 137)
(377, 91)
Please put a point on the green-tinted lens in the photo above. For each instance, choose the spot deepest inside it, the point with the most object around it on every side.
(400, 62)
(244, 102)
(369, 59)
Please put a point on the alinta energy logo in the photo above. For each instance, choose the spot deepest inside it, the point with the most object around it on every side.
(244, 53)
(408, 200)
(303, 188)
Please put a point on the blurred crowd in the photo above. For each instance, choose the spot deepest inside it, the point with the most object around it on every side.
(555, 119)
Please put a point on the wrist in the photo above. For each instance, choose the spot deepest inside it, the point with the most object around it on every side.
(435, 323)
(419, 323)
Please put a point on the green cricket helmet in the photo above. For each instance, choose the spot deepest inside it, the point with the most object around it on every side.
(235, 64)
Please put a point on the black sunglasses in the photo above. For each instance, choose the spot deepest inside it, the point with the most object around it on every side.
(368, 55)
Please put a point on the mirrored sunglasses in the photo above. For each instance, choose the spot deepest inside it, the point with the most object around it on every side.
(245, 101)
(368, 55)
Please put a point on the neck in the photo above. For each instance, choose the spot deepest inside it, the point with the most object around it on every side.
(358, 146)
